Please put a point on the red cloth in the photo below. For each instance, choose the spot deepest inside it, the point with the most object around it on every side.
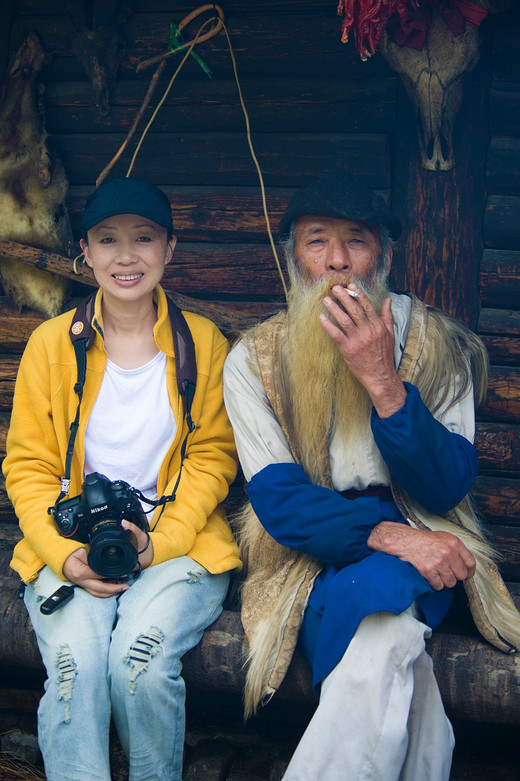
(414, 32)
(410, 26)
(473, 14)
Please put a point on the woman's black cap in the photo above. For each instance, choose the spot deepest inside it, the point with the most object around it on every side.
(342, 196)
(127, 196)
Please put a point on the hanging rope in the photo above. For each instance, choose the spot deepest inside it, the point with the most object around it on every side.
(218, 24)
(259, 171)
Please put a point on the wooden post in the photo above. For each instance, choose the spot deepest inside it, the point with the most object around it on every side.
(442, 211)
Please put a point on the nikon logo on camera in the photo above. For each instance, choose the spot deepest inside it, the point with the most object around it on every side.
(95, 516)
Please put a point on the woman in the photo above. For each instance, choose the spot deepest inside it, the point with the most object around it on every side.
(115, 648)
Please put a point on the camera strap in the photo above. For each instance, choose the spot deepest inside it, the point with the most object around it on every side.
(82, 335)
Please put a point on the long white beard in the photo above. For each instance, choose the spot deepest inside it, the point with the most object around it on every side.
(322, 394)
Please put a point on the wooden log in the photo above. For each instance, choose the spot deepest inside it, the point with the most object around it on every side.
(225, 270)
(499, 322)
(503, 166)
(502, 349)
(498, 446)
(5, 35)
(477, 682)
(286, 160)
(500, 279)
(231, 316)
(262, 43)
(506, 541)
(314, 104)
(501, 222)
(499, 329)
(503, 397)
(19, 700)
(15, 326)
(8, 370)
(504, 108)
(284, 7)
(498, 498)
(18, 644)
(212, 214)
(48, 261)
(506, 53)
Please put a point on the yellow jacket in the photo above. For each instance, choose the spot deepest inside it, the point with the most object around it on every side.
(45, 405)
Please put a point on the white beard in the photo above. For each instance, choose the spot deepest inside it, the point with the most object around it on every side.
(322, 393)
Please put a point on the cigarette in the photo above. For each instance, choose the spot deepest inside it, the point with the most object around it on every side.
(352, 293)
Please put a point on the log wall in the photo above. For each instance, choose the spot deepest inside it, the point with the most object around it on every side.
(312, 105)
(498, 432)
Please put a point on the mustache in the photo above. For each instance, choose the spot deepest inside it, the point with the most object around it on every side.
(313, 291)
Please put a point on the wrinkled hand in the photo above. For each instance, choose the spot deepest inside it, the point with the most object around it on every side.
(438, 556)
(365, 339)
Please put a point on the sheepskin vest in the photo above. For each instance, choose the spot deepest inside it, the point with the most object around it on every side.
(279, 580)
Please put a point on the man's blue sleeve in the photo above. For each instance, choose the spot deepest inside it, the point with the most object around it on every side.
(313, 519)
(434, 465)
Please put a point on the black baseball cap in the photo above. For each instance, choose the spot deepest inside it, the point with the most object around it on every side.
(343, 196)
(127, 196)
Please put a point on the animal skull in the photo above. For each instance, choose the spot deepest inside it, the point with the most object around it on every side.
(433, 78)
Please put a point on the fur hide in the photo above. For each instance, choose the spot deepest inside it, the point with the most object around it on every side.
(33, 186)
(279, 580)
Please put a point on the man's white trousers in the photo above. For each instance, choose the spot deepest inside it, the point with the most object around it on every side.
(380, 716)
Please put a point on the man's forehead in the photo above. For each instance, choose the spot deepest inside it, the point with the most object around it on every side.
(309, 225)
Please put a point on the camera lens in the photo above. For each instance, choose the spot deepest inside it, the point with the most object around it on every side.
(112, 554)
(112, 551)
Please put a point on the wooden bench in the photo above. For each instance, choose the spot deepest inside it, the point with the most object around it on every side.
(478, 683)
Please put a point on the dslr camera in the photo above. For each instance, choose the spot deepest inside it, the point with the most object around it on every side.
(95, 516)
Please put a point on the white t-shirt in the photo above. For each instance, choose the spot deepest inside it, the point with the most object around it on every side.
(131, 425)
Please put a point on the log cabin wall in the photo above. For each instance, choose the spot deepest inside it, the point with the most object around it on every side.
(312, 105)
(498, 438)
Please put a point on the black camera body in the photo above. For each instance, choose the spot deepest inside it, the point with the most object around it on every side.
(95, 516)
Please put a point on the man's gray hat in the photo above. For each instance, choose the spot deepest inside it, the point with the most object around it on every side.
(342, 196)
(127, 196)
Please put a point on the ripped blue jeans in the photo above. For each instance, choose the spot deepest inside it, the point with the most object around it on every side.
(121, 658)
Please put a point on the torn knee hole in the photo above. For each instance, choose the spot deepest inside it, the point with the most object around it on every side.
(142, 650)
(196, 574)
(66, 674)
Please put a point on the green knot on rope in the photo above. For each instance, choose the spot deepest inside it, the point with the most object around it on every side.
(176, 44)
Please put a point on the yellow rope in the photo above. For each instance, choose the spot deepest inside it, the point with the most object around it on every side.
(167, 90)
(199, 36)
(253, 155)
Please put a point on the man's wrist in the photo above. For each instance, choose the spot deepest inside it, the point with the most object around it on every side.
(390, 400)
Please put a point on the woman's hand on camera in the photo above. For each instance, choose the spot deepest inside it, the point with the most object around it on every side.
(143, 541)
(77, 570)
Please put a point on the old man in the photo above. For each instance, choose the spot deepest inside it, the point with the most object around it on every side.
(353, 414)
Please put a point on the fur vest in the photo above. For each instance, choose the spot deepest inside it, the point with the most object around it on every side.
(279, 580)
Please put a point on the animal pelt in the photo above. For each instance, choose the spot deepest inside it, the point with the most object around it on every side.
(98, 44)
(33, 185)
(278, 582)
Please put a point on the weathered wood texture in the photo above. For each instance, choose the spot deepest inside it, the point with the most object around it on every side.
(477, 682)
(499, 318)
(312, 105)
